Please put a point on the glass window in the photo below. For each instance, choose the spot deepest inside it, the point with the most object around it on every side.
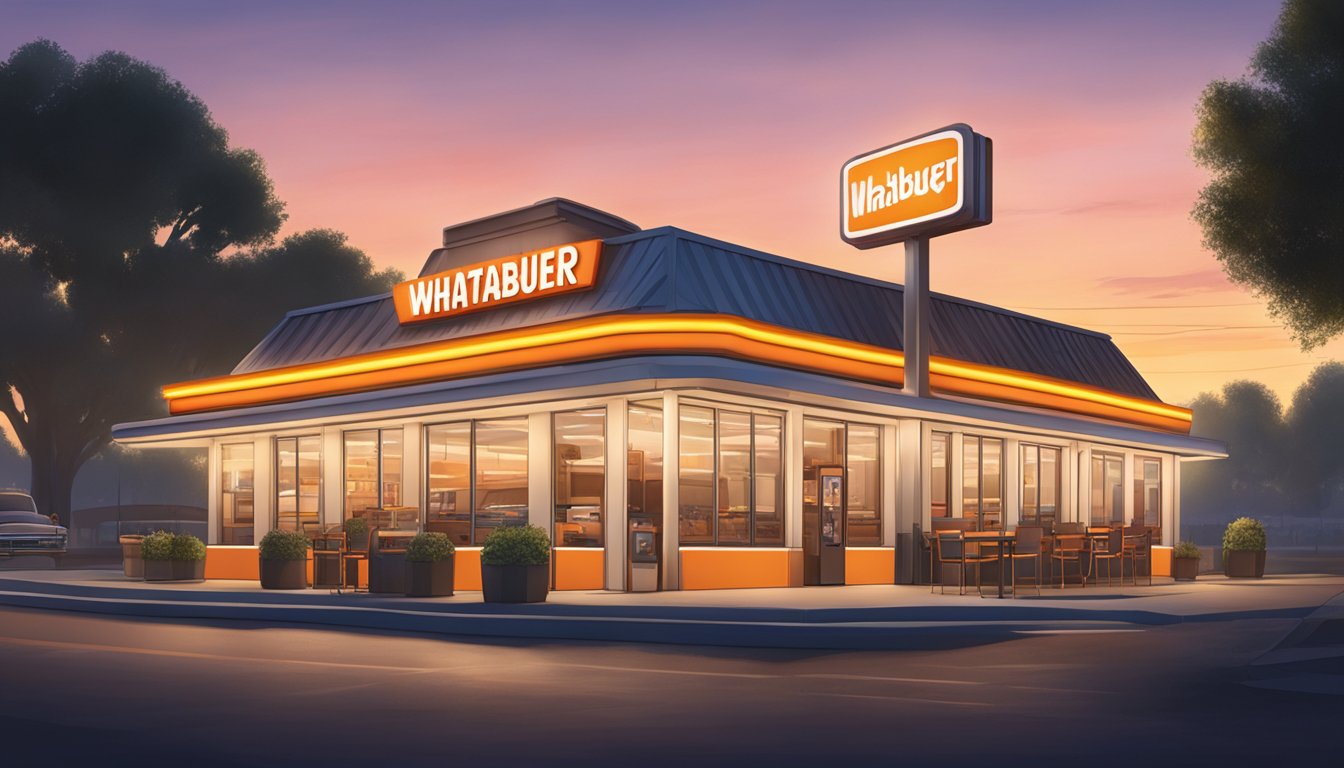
(298, 482)
(580, 477)
(768, 471)
(1148, 493)
(236, 505)
(696, 483)
(448, 487)
(982, 481)
(939, 477)
(501, 475)
(373, 479)
(863, 468)
(731, 483)
(734, 503)
(1108, 502)
(644, 460)
(1040, 484)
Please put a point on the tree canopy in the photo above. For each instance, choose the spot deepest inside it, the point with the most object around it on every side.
(136, 249)
(1273, 213)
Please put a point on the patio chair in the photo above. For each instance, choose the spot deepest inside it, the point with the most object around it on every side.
(1138, 545)
(1069, 548)
(1109, 550)
(951, 549)
(1027, 546)
(356, 551)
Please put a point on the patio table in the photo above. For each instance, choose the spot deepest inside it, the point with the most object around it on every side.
(1003, 539)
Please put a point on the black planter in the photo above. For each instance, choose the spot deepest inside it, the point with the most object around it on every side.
(284, 574)
(1244, 563)
(1184, 568)
(430, 579)
(132, 565)
(515, 583)
(174, 570)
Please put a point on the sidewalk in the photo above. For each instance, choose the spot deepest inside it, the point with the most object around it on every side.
(856, 617)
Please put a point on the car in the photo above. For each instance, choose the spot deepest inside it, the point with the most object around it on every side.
(24, 531)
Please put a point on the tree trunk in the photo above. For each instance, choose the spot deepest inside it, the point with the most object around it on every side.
(53, 480)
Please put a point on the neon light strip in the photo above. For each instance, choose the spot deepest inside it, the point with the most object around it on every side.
(592, 338)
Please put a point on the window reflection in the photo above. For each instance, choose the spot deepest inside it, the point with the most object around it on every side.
(373, 479)
(644, 462)
(580, 477)
(940, 479)
(1040, 484)
(731, 481)
(448, 488)
(1108, 502)
(501, 475)
(298, 482)
(982, 481)
(236, 504)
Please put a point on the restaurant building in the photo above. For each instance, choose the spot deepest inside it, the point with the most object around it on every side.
(657, 397)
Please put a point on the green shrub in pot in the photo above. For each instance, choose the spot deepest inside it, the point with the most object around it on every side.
(515, 565)
(1244, 544)
(430, 564)
(284, 556)
(1185, 561)
(157, 546)
(356, 533)
(173, 557)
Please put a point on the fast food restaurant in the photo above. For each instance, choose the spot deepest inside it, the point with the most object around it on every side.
(677, 411)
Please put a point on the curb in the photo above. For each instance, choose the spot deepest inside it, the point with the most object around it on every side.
(908, 627)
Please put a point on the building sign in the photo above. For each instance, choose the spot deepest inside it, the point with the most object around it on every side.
(929, 185)
(523, 276)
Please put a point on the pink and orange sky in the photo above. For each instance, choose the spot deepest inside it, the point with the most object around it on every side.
(389, 120)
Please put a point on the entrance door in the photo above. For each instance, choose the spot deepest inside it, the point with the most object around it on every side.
(824, 525)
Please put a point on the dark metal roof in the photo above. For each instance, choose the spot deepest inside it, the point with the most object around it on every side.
(670, 270)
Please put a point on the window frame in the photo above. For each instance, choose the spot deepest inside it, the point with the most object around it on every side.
(471, 489)
(555, 476)
(275, 457)
(378, 463)
(781, 505)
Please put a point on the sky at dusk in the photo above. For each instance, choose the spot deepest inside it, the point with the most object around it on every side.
(390, 120)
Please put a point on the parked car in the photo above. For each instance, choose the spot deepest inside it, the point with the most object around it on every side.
(25, 532)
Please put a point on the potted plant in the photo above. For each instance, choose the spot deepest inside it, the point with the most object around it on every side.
(284, 560)
(173, 557)
(132, 564)
(1244, 549)
(356, 534)
(515, 564)
(1185, 561)
(429, 565)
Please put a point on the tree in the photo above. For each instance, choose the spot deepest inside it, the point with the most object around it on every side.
(135, 250)
(1314, 471)
(1273, 213)
(1247, 418)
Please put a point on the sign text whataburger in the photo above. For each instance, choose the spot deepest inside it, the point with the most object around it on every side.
(520, 277)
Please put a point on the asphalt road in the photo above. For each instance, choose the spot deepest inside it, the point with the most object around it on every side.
(87, 690)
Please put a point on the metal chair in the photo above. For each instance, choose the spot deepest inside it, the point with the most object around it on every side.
(1110, 552)
(1137, 546)
(1069, 548)
(1027, 546)
(951, 549)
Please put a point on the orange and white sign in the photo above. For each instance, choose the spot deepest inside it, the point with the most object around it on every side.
(930, 184)
(520, 277)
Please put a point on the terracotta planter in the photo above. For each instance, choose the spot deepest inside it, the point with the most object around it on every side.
(284, 574)
(430, 579)
(515, 583)
(1184, 568)
(132, 565)
(1244, 563)
(174, 570)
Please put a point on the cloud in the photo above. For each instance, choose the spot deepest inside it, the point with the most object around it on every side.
(1168, 286)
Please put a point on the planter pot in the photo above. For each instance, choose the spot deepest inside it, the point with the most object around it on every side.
(515, 583)
(1244, 563)
(174, 570)
(430, 579)
(132, 566)
(284, 574)
(1184, 568)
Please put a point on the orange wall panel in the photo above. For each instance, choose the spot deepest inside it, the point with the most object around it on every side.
(870, 566)
(579, 568)
(232, 563)
(467, 569)
(1161, 561)
(735, 568)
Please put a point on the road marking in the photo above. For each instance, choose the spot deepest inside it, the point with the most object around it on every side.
(920, 680)
(688, 672)
(913, 699)
(1073, 631)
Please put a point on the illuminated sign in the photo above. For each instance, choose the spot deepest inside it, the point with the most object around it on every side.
(929, 185)
(523, 276)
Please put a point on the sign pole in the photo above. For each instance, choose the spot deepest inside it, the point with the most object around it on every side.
(915, 300)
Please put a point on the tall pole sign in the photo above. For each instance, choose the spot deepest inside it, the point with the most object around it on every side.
(908, 192)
